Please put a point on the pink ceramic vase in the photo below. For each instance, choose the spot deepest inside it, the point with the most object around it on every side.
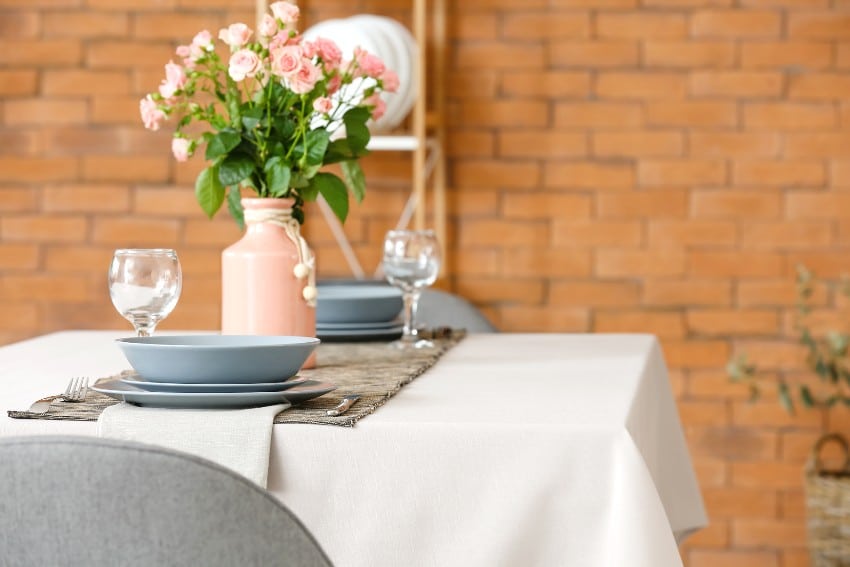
(267, 282)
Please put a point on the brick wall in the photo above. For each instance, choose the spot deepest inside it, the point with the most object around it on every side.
(615, 165)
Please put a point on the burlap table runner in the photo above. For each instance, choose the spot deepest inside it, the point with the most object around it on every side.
(374, 370)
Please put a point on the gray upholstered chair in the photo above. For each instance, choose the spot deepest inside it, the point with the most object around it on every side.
(96, 502)
(442, 309)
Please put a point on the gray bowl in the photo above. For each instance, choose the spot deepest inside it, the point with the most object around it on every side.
(357, 303)
(217, 359)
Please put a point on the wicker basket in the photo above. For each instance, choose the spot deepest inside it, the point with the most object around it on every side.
(828, 503)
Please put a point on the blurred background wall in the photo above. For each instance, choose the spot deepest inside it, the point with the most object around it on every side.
(656, 166)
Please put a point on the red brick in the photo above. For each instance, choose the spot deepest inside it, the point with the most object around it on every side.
(736, 23)
(19, 316)
(18, 82)
(472, 84)
(736, 84)
(475, 25)
(491, 232)
(660, 203)
(818, 86)
(530, 319)
(43, 111)
(686, 292)
(20, 24)
(767, 532)
(783, 54)
(85, 24)
(120, 168)
(785, 235)
(109, 54)
(36, 169)
(784, 173)
(663, 324)
(497, 113)
(643, 86)
(78, 82)
(688, 54)
(471, 143)
(84, 259)
(691, 233)
(542, 144)
(736, 204)
(86, 198)
(681, 172)
(817, 205)
(593, 54)
(734, 144)
(583, 293)
(695, 353)
(770, 293)
(17, 199)
(692, 114)
(817, 145)
(18, 256)
(790, 116)
(598, 115)
(45, 288)
(546, 262)
(740, 503)
(628, 263)
(588, 175)
(702, 558)
(639, 25)
(593, 234)
(827, 24)
(491, 174)
(549, 84)
(497, 55)
(135, 232)
(44, 228)
(722, 264)
(519, 290)
(546, 25)
(635, 144)
(732, 322)
(28, 52)
(546, 205)
(172, 26)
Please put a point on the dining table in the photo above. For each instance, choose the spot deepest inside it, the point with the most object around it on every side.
(513, 449)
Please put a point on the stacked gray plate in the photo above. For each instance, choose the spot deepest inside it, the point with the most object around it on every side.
(214, 371)
(358, 312)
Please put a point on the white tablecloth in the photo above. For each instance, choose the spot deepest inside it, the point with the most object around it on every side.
(514, 450)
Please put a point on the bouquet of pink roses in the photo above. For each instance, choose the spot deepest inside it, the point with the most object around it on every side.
(279, 109)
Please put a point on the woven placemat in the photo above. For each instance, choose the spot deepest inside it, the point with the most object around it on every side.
(375, 371)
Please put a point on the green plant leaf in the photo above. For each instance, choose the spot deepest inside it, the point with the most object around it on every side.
(356, 133)
(278, 176)
(806, 396)
(353, 174)
(221, 143)
(317, 143)
(234, 206)
(338, 151)
(209, 191)
(334, 191)
(234, 168)
(785, 398)
(251, 116)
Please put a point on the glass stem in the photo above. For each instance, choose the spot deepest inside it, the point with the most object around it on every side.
(411, 301)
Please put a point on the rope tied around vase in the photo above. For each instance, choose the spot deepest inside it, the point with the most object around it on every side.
(305, 269)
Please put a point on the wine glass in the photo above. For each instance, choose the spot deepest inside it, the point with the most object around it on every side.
(411, 262)
(144, 285)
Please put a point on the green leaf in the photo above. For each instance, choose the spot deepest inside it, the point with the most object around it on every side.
(337, 151)
(356, 132)
(353, 174)
(317, 143)
(221, 143)
(234, 205)
(234, 168)
(806, 396)
(278, 175)
(251, 116)
(785, 398)
(209, 191)
(334, 191)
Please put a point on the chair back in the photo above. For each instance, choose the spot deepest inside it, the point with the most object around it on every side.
(97, 502)
(442, 309)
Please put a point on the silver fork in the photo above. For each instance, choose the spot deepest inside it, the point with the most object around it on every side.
(75, 392)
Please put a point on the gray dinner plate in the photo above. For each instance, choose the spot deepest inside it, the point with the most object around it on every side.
(212, 400)
(361, 335)
(379, 325)
(213, 388)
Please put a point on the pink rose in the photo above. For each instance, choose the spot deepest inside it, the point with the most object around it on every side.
(329, 52)
(334, 83)
(378, 105)
(389, 81)
(152, 115)
(286, 60)
(201, 43)
(268, 26)
(323, 104)
(367, 64)
(285, 12)
(308, 48)
(236, 35)
(175, 79)
(305, 79)
(184, 52)
(180, 148)
(244, 63)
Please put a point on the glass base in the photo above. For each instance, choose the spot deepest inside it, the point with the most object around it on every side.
(412, 343)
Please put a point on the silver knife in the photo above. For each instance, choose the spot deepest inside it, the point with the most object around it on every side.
(343, 406)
